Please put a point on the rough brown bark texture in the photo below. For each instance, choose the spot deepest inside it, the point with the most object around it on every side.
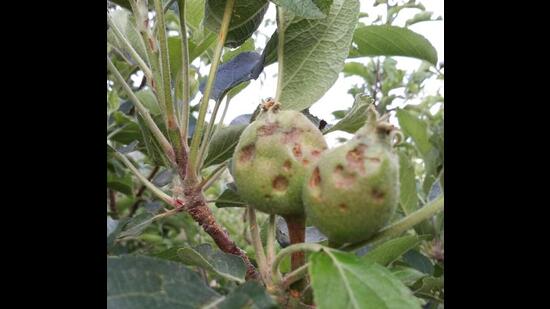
(195, 205)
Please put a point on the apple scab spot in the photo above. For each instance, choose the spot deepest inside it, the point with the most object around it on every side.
(377, 195)
(315, 179)
(268, 129)
(343, 207)
(292, 135)
(355, 158)
(280, 183)
(297, 150)
(247, 153)
(316, 153)
(343, 179)
(287, 165)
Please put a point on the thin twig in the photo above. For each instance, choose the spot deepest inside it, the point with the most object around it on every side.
(271, 240)
(257, 243)
(135, 56)
(216, 173)
(161, 139)
(185, 68)
(197, 136)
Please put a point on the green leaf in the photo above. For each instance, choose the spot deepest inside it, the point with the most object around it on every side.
(415, 128)
(225, 265)
(246, 18)
(223, 144)
(248, 295)
(385, 40)
(355, 118)
(420, 17)
(229, 198)
(314, 54)
(359, 69)
(129, 129)
(122, 3)
(407, 275)
(152, 147)
(169, 254)
(136, 226)
(123, 20)
(408, 193)
(195, 50)
(389, 251)
(123, 184)
(194, 15)
(419, 261)
(342, 280)
(140, 282)
(149, 100)
(311, 9)
(229, 54)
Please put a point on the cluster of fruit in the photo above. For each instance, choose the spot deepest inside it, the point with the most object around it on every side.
(282, 165)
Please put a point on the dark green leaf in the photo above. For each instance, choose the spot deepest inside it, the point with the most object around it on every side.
(355, 118)
(419, 261)
(342, 280)
(114, 227)
(123, 184)
(225, 265)
(152, 147)
(313, 235)
(407, 275)
(223, 144)
(128, 148)
(248, 295)
(163, 178)
(140, 282)
(244, 67)
(385, 40)
(389, 251)
(169, 254)
(247, 17)
(136, 226)
(229, 198)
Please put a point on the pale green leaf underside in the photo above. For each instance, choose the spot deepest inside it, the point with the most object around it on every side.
(314, 54)
(342, 280)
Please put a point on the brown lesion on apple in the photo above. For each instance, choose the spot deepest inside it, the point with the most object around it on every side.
(355, 159)
(268, 129)
(297, 150)
(287, 166)
(315, 153)
(378, 195)
(343, 207)
(342, 178)
(292, 136)
(315, 179)
(280, 183)
(247, 153)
